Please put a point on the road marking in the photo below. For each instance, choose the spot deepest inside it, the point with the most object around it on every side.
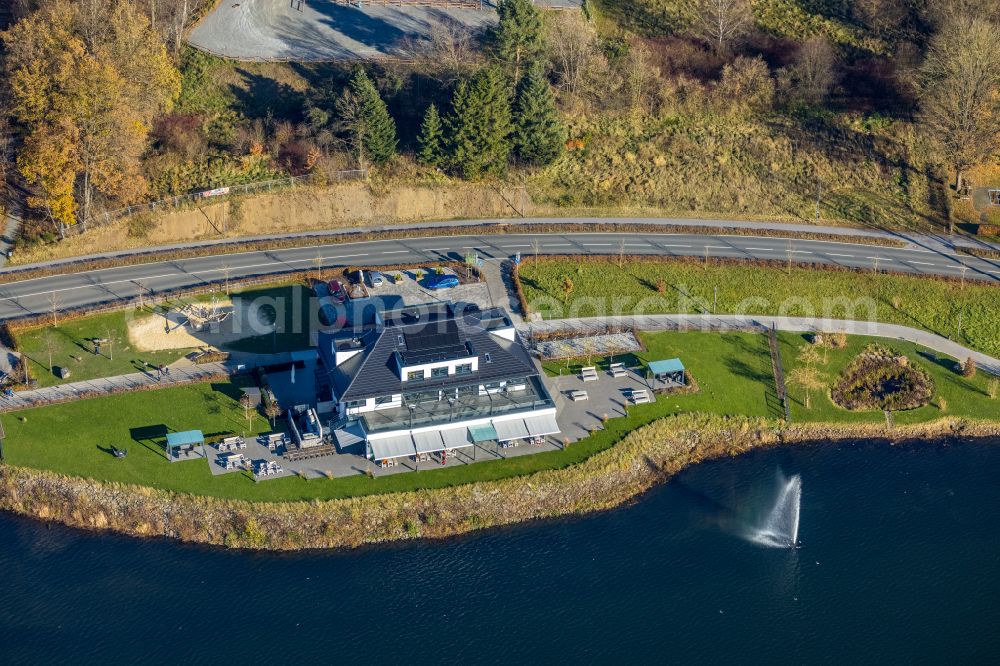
(832, 254)
(395, 252)
(799, 252)
(765, 249)
(878, 258)
(597, 244)
(528, 245)
(922, 263)
(717, 247)
(673, 245)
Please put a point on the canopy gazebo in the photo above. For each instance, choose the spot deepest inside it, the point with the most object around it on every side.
(669, 371)
(183, 442)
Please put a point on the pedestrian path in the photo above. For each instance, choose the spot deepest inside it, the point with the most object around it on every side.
(706, 322)
(90, 388)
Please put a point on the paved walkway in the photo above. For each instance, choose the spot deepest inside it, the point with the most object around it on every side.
(796, 324)
(179, 374)
(499, 281)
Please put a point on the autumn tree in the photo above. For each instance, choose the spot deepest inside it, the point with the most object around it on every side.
(721, 23)
(960, 106)
(86, 81)
(808, 379)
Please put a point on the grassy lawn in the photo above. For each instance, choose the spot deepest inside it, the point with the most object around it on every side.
(71, 347)
(967, 397)
(733, 371)
(600, 287)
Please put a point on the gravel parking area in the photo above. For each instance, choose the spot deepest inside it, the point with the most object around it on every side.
(323, 30)
(319, 30)
(410, 292)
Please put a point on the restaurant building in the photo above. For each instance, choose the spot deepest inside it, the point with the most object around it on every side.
(431, 379)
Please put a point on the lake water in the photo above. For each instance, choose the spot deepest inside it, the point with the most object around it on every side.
(900, 562)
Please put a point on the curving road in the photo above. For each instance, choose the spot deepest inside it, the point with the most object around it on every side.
(71, 290)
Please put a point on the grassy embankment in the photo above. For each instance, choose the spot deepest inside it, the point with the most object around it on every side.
(71, 345)
(600, 287)
(732, 370)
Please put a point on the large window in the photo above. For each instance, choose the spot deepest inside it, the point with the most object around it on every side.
(439, 372)
(383, 400)
(415, 375)
(463, 369)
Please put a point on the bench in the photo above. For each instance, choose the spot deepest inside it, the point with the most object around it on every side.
(588, 374)
(578, 395)
(617, 370)
(639, 396)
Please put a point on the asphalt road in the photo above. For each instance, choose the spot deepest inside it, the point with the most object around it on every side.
(35, 296)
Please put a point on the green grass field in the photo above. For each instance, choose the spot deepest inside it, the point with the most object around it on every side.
(71, 346)
(732, 370)
(967, 397)
(600, 287)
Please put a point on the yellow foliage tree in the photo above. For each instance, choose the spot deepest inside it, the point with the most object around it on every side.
(87, 97)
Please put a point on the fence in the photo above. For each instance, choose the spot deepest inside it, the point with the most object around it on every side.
(181, 200)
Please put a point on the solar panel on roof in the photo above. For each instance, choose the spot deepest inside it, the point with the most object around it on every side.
(444, 334)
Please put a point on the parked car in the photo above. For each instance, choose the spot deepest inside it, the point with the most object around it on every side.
(375, 279)
(337, 291)
(441, 281)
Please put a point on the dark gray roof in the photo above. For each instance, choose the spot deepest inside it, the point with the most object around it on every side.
(375, 372)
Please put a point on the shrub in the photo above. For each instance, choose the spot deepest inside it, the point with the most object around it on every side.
(969, 368)
(879, 378)
(993, 388)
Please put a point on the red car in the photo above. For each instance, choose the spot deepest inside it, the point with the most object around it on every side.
(337, 291)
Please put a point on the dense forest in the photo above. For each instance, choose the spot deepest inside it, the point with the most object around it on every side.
(882, 112)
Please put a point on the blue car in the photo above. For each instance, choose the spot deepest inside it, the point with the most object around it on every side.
(441, 281)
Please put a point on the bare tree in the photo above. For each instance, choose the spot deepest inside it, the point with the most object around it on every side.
(721, 23)
(54, 303)
(246, 402)
(810, 78)
(111, 344)
(575, 51)
(226, 272)
(961, 92)
(272, 410)
(50, 346)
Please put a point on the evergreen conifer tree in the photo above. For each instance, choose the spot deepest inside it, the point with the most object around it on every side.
(431, 139)
(519, 36)
(480, 125)
(366, 120)
(539, 133)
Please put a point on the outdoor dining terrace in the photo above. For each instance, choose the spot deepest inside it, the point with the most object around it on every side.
(464, 403)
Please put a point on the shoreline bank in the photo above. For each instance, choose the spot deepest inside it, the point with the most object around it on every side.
(642, 459)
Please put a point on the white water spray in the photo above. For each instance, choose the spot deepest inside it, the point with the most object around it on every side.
(781, 527)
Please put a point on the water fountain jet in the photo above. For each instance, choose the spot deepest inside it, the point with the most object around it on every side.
(781, 527)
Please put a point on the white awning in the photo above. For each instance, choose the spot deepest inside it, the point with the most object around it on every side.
(545, 424)
(512, 429)
(456, 438)
(428, 442)
(396, 446)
